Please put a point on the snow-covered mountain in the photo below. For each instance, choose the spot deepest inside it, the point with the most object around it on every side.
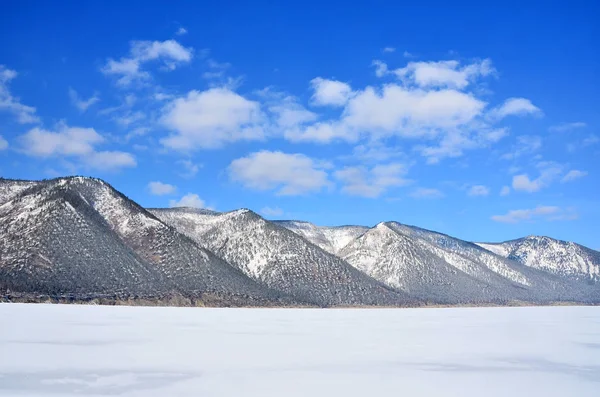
(554, 256)
(439, 268)
(331, 239)
(279, 258)
(80, 236)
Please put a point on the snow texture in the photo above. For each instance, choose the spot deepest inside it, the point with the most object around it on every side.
(69, 350)
(562, 258)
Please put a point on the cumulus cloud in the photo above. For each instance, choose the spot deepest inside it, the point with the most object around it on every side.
(426, 193)
(190, 200)
(271, 211)
(478, 190)
(129, 69)
(396, 111)
(330, 92)
(74, 142)
(288, 113)
(505, 191)
(159, 188)
(549, 172)
(181, 31)
(360, 181)
(389, 49)
(444, 73)
(549, 213)
(80, 103)
(288, 174)
(109, 160)
(381, 68)
(211, 118)
(573, 175)
(24, 114)
(455, 142)
(515, 107)
(430, 106)
(3, 143)
(68, 141)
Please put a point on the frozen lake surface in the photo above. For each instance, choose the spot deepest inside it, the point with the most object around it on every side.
(68, 350)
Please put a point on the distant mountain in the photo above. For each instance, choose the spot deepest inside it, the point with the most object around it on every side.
(438, 268)
(80, 236)
(554, 256)
(280, 259)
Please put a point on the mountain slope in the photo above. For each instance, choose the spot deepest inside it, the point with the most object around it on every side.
(280, 258)
(76, 235)
(330, 238)
(403, 263)
(554, 256)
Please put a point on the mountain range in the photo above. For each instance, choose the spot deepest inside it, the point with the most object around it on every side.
(79, 239)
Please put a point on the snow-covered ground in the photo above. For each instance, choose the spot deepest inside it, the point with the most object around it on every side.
(68, 350)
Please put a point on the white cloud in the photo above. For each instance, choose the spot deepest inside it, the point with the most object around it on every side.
(321, 132)
(82, 104)
(73, 142)
(549, 213)
(128, 69)
(159, 188)
(573, 175)
(68, 141)
(375, 152)
(436, 109)
(109, 160)
(189, 200)
(526, 144)
(548, 173)
(505, 191)
(478, 190)
(360, 181)
(381, 68)
(407, 54)
(427, 193)
(161, 96)
(399, 111)
(3, 143)
(515, 107)
(130, 117)
(389, 49)
(181, 31)
(564, 127)
(218, 78)
(191, 169)
(455, 142)
(330, 92)
(288, 113)
(444, 73)
(289, 174)
(24, 114)
(209, 119)
(271, 211)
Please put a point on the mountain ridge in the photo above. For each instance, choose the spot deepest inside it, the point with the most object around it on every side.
(79, 235)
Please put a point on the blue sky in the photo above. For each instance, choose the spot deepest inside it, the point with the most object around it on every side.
(476, 120)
